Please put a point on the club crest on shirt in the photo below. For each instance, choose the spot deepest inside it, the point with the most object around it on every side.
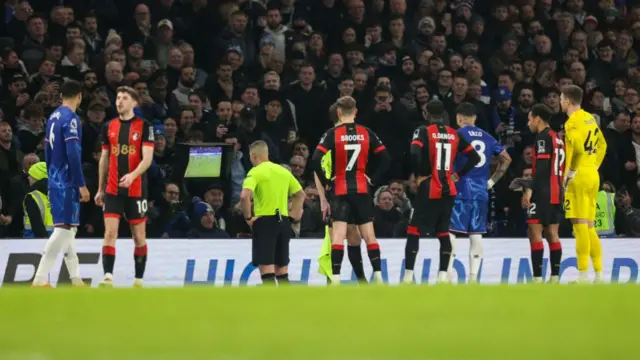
(541, 146)
(135, 136)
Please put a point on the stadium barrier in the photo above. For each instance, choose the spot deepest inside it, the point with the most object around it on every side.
(176, 263)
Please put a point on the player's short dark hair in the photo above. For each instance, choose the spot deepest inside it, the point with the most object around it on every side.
(436, 111)
(542, 111)
(70, 89)
(129, 90)
(573, 93)
(466, 109)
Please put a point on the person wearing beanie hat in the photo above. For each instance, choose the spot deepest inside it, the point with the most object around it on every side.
(433, 151)
(204, 223)
(38, 221)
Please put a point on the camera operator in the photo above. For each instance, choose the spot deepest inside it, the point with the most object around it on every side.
(168, 218)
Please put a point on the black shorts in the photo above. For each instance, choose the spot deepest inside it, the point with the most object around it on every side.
(134, 209)
(270, 241)
(431, 216)
(354, 209)
(544, 213)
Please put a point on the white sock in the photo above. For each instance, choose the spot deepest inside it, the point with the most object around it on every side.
(450, 272)
(443, 277)
(377, 277)
(475, 256)
(583, 276)
(71, 256)
(453, 251)
(51, 249)
(599, 276)
(408, 276)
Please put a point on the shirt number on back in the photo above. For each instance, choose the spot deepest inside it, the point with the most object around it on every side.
(591, 146)
(51, 136)
(480, 148)
(558, 162)
(443, 154)
(354, 155)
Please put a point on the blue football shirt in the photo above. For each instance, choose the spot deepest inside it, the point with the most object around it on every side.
(63, 150)
(473, 186)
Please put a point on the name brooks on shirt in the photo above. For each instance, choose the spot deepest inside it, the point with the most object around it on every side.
(346, 138)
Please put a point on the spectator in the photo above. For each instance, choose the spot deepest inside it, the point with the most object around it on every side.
(386, 214)
(274, 71)
(205, 226)
(167, 217)
(311, 224)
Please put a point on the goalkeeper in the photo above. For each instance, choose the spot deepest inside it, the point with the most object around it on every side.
(353, 235)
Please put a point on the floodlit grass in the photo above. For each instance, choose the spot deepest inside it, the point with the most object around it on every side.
(405, 322)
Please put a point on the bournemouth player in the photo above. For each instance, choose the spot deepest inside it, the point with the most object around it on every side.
(471, 205)
(543, 195)
(127, 152)
(63, 153)
(586, 148)
(351, 145)
(433, 151)
(353, 235)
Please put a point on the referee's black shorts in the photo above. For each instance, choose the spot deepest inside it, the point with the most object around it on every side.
(270, 240)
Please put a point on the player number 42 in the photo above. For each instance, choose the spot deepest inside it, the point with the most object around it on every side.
(590, 146)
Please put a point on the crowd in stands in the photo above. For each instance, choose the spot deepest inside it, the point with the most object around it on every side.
(239, 71)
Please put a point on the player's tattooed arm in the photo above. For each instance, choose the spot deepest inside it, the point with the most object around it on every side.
(503, 165)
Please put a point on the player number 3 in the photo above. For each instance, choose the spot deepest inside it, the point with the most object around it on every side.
(142, 206)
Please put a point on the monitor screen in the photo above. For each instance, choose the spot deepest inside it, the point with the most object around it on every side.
(204, 162)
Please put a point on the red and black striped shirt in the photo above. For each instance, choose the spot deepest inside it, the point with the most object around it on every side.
(124, 139)
(548, 167)
(441, 144)
(350, 145)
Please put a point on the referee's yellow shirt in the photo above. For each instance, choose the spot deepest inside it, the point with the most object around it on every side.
(271, 185)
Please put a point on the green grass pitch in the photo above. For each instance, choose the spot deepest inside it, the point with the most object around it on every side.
(407, 322)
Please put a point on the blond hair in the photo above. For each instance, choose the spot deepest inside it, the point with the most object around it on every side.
(346, 105)
(259, 148)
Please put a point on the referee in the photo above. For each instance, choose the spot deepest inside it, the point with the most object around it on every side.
(270, 186)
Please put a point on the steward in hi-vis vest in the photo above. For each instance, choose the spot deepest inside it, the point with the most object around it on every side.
(38, 222)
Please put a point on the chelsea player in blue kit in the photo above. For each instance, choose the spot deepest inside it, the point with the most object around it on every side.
(63, 153)
(471, 204)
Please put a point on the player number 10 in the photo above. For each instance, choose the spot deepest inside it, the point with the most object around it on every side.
(142, 206)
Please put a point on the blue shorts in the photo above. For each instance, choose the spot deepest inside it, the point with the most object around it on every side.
(65, 206)
(469, 216)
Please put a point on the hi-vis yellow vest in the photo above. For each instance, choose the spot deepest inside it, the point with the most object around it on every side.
(605, 214)
(45, 212)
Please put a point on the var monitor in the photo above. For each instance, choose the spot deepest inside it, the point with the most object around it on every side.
(202, 161)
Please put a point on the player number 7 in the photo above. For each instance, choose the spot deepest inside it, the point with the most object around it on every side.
(354, 156)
